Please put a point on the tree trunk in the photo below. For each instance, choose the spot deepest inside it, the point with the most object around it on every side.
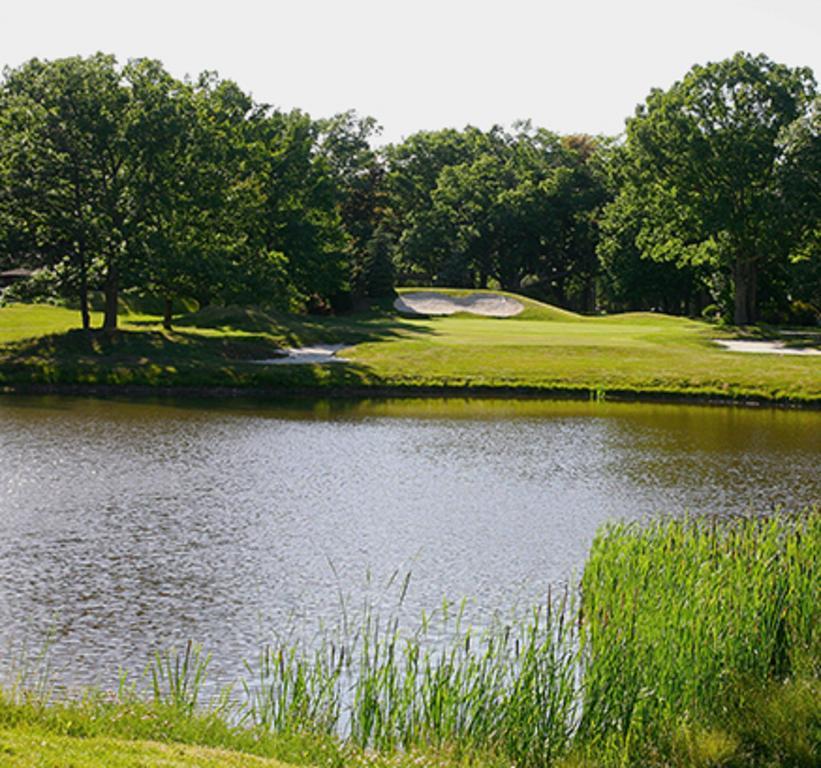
(588, 296)
(167, 313)
(111, 300)
(84, 311)
(559, 293)
(510, 283)
(752, 295)
(744, 292)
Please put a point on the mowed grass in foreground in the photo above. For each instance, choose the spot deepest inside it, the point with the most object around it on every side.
(691, 643)
(32, 748)
(544, 349)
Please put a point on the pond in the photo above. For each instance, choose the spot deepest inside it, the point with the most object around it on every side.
(131, 527)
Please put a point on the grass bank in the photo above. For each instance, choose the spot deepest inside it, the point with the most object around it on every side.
(542, 351)
(34, 748)
(689, 643)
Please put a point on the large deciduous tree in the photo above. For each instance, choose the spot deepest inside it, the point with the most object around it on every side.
(706, 169)
(199, 194)
(127, 177)
(298, 217)
(359, 175)
(61, 162)
(81, 146)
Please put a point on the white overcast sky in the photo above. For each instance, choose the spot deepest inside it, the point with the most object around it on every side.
(420, 64)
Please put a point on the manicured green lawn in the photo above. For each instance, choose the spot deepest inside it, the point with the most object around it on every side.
(23, 321)
(543, 350)
(633, 352)
(30, 748)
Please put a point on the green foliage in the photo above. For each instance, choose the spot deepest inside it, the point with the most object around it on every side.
(177, 678)
(120, 177)
(632, 280)
(803, 313)
(713, 175)
(712, 313)
(473, 207)
(776, 723)
(358, 173)
(296, 220)
(42, 287)
(378, 274)
(116, 177)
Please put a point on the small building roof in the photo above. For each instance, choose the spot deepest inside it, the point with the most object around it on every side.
(17, 272)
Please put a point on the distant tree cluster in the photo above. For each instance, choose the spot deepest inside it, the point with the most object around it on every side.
(121, 177)
(509, 209)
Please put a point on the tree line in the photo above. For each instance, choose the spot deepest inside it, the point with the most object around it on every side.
(123, 177)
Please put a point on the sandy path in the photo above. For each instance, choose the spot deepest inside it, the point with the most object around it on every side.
(434, 303)
(319, 353)
(764, 347)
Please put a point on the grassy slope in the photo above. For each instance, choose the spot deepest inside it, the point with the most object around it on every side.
(30, 748)
(634, 353)
(544, 348)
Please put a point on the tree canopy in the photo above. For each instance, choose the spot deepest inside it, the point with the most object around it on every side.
(120, 177)
(710, 167)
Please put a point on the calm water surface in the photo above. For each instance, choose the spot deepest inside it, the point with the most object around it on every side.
(131, 527)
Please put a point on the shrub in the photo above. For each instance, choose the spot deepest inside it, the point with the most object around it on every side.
(43, 287)
(804, 313)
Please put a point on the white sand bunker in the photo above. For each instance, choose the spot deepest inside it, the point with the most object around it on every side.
(434, 303)
(319, 353)
(764, 347)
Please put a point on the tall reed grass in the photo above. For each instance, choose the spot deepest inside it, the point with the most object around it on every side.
(686, 638)
(679, 615)
(510, 689)
(674, 617)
